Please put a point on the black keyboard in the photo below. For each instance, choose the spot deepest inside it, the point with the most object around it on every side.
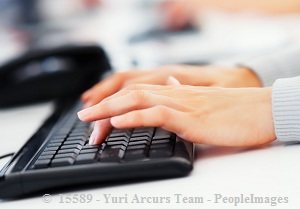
(65, 157)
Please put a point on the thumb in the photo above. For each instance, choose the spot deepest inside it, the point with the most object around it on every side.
(172, 81)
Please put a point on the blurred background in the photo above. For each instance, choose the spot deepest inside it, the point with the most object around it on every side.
(148, 33)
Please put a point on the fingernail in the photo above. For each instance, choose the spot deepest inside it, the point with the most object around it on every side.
(87, 105)
(92, 138)
(173, 81)
(83, 113)
(94, 135)
(116, 120)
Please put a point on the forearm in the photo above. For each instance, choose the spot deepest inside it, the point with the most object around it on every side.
(282, 64)
(264, 6)
(286, 108)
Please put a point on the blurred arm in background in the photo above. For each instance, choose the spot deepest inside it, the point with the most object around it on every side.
(179, 13)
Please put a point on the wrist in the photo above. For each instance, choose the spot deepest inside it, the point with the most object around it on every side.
(248, 78)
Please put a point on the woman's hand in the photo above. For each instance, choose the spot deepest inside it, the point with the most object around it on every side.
(209, 115)
(187, 75)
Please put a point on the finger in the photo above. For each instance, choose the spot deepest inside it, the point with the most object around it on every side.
(158, 116)
(107, 87)
(172, 81)
(129, 102)
(100, 132)
(128, 89)
(155, 78)
(102, 90)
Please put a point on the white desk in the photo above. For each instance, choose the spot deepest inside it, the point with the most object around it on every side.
(269, 171)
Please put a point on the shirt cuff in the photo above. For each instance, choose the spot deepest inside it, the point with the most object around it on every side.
(286, 108)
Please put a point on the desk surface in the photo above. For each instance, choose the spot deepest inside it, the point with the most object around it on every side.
(271, 171)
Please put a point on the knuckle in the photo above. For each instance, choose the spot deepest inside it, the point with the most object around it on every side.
(163, 114)
(133, 86)
(120, 75)
(139, 97)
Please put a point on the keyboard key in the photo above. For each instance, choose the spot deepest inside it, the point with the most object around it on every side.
(161, 134)
(91, 150)
(51, 149)
(72, 138)
(161, 141)
(48, 153)
(71, 146)
(69, 151)
(138, 143)
(143, 130)
(119, 146)
(117, 143)
(57, 140)
(78, 142)
(43, 157)
(120, 134)
(110, 154)
(62, 162)
(42, 163)
(140, 138)
(136, 152)
(54, 144)
(119, 138)
(78, 134)
(86, 158)
(141, 134)
(64, 155)
(87, 146)
(161, 150)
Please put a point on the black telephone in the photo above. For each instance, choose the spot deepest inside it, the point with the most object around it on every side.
(56, 73)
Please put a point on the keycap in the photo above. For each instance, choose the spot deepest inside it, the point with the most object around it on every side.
(42, 163)
(161, 134)
(87, 146)
(140, 138)
(115, 130)
(71, 146)
(142, 130)
(136, 152)
(54, 144)
(86, 158)
(141, 134)
(117, 143)
(138, 142)
(161, 141)
(78, 142)
(63, 155)
(91, 150)
(62, 162)
(120, 138)
(110, 154)
(72, 138)
(51, 149)
(160, 150)
(69, 151)
(48, 153)
(43, 157)
(57, 140)
(119, 134)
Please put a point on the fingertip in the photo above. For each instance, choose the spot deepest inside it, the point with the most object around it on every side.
(87, 105)
(85, 96)
(116, 121)
(83, 114)
(173, 81)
